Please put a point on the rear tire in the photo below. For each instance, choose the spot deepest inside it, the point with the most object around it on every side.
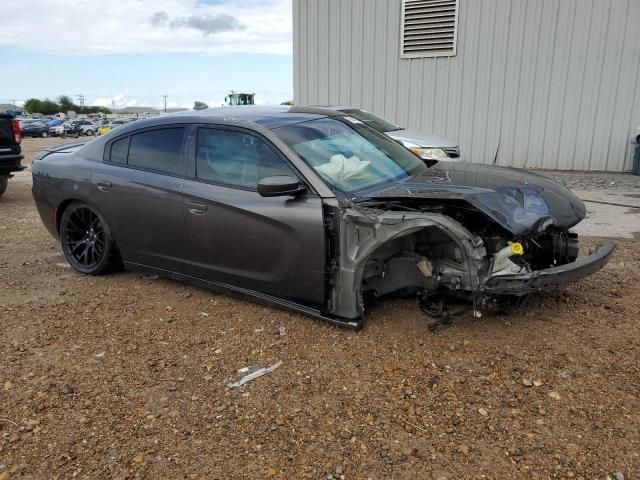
(86, 240)
(44, 134)
(89, 132)
(4, 181)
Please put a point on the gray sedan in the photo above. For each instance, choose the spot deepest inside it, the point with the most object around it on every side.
(307, 209)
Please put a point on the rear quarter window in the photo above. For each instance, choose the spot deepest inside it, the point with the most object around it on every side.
(158, 150)
(119, 151)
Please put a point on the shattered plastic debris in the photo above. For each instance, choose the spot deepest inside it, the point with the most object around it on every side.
(282, 331)
(150, 276)
(253, 375)
(63, 265)
(203, 314)
(259, 330)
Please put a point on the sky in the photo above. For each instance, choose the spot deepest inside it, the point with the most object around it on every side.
(132, 52)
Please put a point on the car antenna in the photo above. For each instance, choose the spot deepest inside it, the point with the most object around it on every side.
(200, 106)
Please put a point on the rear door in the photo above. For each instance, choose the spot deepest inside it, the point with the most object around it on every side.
(142, 178)
(237, 237)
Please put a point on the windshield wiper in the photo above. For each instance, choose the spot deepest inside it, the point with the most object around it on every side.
(384, 203)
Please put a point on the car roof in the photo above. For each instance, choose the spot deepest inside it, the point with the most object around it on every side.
(258, 116)
(337, 107)
(266, 116)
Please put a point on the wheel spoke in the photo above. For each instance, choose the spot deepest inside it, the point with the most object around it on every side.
(76, 247)
(85, 239)
(85, 255)
(71, 223)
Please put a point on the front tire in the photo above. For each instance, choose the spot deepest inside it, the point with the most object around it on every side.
(86, 240)
(44, 134)
(4, 181)
(89, 132)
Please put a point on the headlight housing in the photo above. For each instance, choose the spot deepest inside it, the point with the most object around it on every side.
(429, 153)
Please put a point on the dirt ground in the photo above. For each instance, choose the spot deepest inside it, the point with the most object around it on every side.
(125, 376)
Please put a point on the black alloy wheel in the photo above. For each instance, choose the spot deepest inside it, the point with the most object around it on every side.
(86, 240)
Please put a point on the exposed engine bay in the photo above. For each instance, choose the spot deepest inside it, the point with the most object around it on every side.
(437, 252)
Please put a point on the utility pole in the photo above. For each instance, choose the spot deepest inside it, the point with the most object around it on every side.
(165, 102)
(81, 99)
(14, 104)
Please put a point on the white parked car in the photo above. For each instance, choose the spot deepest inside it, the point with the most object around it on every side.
(427, 146)
(57, 131)
(87, 127)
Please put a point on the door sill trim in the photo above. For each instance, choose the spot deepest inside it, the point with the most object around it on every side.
(239, 292)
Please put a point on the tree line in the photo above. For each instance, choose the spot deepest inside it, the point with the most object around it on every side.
(62, 104)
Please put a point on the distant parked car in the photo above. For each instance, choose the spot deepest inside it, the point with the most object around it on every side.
(53, 122)
(26, 121)
(85, 127)
(35, 129)
(57, 130)
(427, 146)
(56, 127)
(111, 125)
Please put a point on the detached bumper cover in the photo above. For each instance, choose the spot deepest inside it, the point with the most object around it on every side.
(551, 277)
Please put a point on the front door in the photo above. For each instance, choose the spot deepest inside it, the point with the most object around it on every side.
(237, 237)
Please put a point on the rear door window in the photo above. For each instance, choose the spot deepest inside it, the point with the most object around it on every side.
(158, 150)
(236, 158)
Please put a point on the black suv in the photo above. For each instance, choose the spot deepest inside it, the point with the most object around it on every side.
(10, 152)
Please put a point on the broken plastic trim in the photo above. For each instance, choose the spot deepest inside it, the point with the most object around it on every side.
(253, 375)
(523, 283)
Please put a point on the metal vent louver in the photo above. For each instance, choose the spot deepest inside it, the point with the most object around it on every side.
(429, 28)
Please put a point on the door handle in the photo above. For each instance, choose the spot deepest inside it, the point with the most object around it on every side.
(103, 185)
(197, 208)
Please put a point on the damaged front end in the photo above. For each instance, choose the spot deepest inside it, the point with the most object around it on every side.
(442, 250)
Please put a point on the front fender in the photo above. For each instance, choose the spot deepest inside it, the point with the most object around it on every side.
(362, 232)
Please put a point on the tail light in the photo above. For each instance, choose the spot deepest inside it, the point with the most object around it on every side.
(15, 126)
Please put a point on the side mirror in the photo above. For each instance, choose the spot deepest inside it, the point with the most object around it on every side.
(280, 185)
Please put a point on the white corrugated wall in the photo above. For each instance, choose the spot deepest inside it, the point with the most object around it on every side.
(535, 83)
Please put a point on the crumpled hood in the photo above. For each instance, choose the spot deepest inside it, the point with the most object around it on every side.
(522, 202)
